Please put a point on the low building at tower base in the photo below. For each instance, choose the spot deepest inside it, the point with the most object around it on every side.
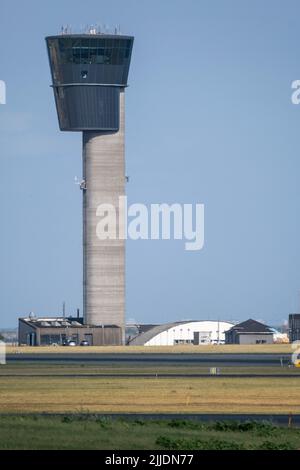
(61, 331)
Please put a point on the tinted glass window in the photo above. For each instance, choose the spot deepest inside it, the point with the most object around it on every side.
(94, 51)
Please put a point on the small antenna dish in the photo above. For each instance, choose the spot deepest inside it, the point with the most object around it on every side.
(81, 183)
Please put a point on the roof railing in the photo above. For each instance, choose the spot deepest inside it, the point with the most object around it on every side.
(93, 29)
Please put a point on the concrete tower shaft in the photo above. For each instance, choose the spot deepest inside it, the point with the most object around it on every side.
(89, 76)
(103, 260)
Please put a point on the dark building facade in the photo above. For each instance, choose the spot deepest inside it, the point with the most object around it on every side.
(249, 332)
(294, 327)
(48, 331)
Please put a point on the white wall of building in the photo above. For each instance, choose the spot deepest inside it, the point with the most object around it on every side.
(210, 332)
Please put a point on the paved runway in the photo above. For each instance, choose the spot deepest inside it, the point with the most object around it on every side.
(279, 419)
(159, 375)
(209, 360)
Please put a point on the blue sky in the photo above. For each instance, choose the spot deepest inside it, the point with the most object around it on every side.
(209, 120)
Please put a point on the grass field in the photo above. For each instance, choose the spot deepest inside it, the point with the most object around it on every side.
(235, 348)
(91, 432)
(149, 395)
(76, 392)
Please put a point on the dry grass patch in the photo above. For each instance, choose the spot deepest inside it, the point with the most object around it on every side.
(181, 349)
(113, 395)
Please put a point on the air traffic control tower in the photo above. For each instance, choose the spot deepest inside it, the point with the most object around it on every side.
(89, 76)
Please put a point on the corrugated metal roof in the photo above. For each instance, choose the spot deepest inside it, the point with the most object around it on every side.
(144, 337)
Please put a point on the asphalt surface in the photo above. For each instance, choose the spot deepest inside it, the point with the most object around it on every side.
(159, 375)
(279, 419)
(210, 360)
